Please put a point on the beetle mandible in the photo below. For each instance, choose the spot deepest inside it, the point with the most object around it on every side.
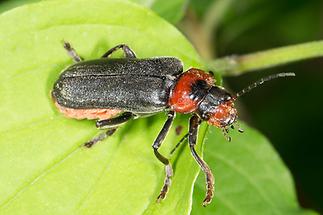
(116, 90)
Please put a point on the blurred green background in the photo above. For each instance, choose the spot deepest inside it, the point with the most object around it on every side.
(288, 112)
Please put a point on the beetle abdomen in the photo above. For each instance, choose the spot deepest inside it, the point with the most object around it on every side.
(87, 113)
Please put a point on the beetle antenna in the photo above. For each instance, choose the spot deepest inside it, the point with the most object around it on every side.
(263, 80)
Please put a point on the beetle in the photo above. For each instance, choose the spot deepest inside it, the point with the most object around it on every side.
(116, 90)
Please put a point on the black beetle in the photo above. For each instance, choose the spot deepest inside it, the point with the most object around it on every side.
(117, 90)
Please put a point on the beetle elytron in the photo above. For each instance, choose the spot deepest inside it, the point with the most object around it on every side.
(114, 91)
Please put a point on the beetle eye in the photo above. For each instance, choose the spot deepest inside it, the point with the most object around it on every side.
(227, 98)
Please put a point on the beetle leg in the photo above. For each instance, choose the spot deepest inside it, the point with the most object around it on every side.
(71, 52)
(168, 167)
(127, 51)
(194, 125)
(100, 137)
(114, 122)
(179, 143)
(111, 125)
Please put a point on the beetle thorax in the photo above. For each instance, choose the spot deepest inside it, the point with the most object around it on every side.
(195, 92)
(189, 90)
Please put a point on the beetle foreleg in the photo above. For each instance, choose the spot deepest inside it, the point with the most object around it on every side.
(126, 49)
(71, 52)
(194, 125)
(168, 167)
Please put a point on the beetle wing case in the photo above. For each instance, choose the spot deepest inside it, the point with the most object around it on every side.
(136, 85)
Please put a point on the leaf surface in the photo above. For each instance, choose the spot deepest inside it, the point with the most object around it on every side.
(44, 168)
(172, 11)
(250, 177)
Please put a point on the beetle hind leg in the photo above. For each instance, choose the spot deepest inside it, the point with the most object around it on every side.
(168, 167)
(71, 52)
(111, 125)
(100, 137)
(114, 122)
(126, 50)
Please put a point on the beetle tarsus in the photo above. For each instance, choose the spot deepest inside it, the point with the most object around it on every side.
(128, 52)
(71, 52)
(167, 182)
(209, 188)
(100, 137)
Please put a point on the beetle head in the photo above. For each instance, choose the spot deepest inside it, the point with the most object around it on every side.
(217, 108)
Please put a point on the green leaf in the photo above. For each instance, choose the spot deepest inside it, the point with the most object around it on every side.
(44, 168)
(9, 4)
(250, 178)
(172, 11)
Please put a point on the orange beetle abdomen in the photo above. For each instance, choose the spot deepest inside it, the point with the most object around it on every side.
(88, 113)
